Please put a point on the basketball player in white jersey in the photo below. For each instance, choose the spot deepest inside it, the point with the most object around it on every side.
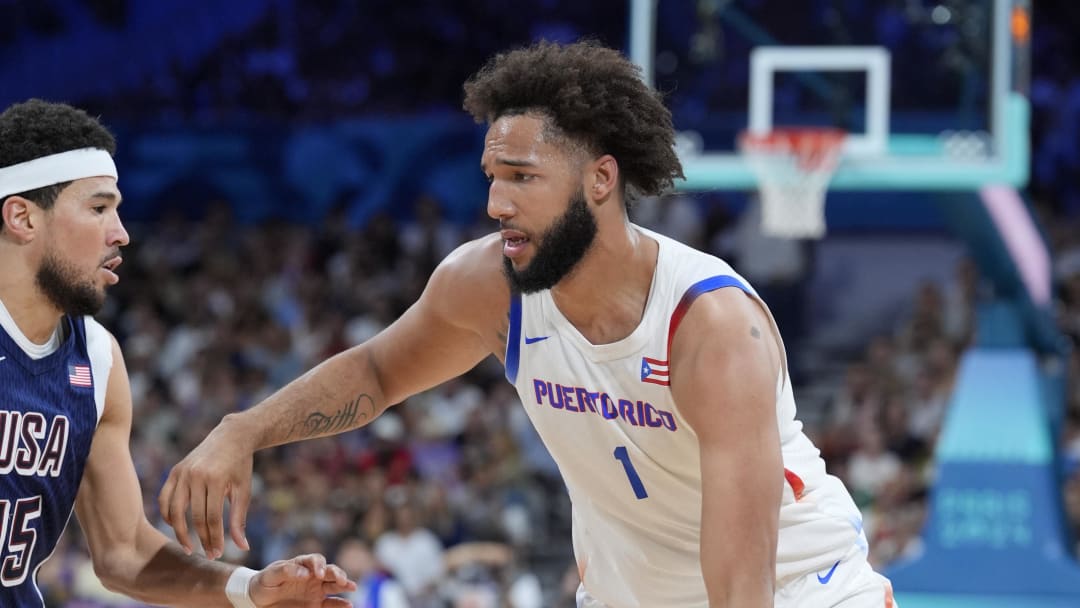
(653, 372)
(65, 399)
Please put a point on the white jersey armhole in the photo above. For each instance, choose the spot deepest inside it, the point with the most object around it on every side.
(99, 349)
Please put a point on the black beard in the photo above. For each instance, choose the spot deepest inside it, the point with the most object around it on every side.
(59, 283)
(558, 250)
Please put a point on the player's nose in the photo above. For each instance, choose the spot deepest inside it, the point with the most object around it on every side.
(499, 206)
(118, 235)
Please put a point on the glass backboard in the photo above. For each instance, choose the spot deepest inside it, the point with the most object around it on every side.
(933, 94)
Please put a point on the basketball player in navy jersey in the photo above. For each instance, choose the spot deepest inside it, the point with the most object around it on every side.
(653, 372)
(65, 414)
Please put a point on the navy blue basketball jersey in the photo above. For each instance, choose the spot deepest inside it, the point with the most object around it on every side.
(49, 411)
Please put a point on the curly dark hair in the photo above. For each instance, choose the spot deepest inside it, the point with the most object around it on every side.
(37, 128)
(594, 96)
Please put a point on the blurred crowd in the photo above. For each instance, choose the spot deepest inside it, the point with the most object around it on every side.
(319, 60)
(327, 59)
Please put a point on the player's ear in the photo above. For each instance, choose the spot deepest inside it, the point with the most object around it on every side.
(602, 179)
(20, 218)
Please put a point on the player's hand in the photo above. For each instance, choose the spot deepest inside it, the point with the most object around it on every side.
(218, 468)
(304, 581)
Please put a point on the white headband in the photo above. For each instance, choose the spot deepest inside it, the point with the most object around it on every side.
(55, 169)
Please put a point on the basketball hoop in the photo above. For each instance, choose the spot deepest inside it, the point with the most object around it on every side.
(793, 168)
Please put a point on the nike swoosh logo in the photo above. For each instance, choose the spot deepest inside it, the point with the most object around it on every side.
(529, 340)
(2, 358)
(825, 579)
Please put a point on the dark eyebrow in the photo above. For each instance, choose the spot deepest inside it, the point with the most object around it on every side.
(111, 196)
(513, 162)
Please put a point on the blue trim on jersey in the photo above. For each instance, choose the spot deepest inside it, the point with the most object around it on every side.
(714, 283)
(513, 338)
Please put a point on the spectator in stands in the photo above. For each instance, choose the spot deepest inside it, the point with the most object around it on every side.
(413, 554)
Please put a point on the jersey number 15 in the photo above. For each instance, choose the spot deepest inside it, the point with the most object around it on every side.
(17, 538)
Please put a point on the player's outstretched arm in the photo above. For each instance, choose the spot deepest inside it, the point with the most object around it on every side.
(438, 338)
(724, 369)
(131, 557)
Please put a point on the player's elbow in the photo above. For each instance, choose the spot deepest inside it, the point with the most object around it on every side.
(109, 575)
(113, 569)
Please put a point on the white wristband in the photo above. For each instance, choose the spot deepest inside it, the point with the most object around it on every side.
(237, 589)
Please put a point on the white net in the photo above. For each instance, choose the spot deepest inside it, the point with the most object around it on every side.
(793, 169)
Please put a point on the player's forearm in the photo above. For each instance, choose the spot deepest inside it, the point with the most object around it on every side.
(340, 394)
(739, 523)
(158, 571)
(735, 579)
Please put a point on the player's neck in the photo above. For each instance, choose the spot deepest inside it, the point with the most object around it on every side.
(605, 296)
(35, 316)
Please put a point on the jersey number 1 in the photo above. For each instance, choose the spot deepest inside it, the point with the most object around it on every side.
(631, 473)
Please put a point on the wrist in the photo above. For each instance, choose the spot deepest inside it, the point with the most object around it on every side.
(239, 432)
(238, 588)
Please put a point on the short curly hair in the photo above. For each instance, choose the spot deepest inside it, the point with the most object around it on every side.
(594, 96)
(37, 128)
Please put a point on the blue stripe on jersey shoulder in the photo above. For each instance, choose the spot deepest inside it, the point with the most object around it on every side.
(714, 283)
(513, 338)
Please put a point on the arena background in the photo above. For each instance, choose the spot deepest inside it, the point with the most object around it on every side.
(293, 171)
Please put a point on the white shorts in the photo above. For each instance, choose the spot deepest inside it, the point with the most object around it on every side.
(851, 583)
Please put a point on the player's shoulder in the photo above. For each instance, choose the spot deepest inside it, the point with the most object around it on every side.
(470, 279)
(476, 264)
(708, 295)
(479, 257)
(687, 273)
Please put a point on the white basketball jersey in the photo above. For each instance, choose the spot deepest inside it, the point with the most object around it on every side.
(630, 460)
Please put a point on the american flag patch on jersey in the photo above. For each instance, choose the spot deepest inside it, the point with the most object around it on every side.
(79, 375)
(654, 371)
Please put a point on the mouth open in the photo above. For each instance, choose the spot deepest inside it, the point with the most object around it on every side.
(112, 263)
(514, 243)
(109, 266)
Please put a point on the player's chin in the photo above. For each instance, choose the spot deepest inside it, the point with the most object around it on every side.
(519, 265)
(98, 301)
(107, 277)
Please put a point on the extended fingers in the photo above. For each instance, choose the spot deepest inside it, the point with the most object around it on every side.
(213, 534)
(175, 511)
(198, 515)
(207, 505)
(239, 499)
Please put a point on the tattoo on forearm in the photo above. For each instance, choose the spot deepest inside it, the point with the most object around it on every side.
(755, 332)
(318, 423)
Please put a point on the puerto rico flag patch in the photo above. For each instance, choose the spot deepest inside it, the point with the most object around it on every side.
(657, 371)
(654, 371)
(79, 375)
